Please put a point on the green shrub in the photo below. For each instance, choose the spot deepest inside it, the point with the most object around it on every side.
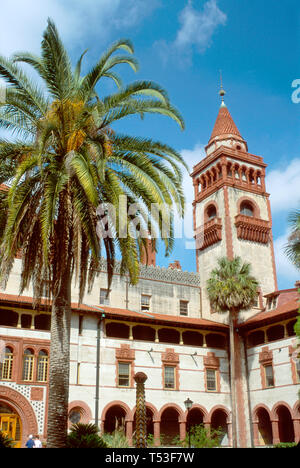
(201, 438)
(5, 441)
(85, 436)
(285, 445)
(116, 439)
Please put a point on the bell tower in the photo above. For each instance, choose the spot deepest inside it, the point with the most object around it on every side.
(232, 215)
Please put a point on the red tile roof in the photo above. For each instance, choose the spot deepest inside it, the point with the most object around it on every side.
(224, 125)
(289, 308)
(125, 314)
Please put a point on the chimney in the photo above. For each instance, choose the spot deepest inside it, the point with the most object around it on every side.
(148, 254)
(175, 265)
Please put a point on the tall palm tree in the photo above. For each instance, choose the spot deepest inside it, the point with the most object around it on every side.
(292, 249)
(231, 289)
(69, 161)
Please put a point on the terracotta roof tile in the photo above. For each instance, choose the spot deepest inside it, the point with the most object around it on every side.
(224, 125)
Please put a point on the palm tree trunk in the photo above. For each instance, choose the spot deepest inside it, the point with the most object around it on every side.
(60, 328)
(59, 372)
(232, 315)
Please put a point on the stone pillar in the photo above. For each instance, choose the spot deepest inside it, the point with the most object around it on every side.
(129, 431)
(156, 430)
(296, 423)
(141, 426)
(275, 431)
(182, 430)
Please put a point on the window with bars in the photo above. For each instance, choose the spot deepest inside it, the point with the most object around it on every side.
(298, 368)
(269, 374)
(211, 381)
(104, 296)
(183, 307)
(123, 374)
(6, 365)
(28, 363)
(145, 302)
(169, 380)
(42, 366)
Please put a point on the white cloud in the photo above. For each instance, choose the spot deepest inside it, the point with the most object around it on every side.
(284, 187)
(197, 28)
(23, 23)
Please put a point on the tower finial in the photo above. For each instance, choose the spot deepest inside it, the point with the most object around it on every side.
(222, 91)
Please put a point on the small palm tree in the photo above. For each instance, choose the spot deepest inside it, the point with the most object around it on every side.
(66, 161)
(292, 249)
(85, 436)
(231, 289)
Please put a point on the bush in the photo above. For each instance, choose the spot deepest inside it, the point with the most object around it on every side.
(5, 441)
(285, 445)
(116, 439)
(201, 438)
(85, 436)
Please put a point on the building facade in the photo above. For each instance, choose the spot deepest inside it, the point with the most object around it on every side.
(164, 326)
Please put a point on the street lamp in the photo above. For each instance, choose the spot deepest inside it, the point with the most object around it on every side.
(188, 404)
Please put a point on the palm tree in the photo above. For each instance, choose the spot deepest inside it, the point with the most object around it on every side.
(292, 249)
(231, 289)
(68, 162)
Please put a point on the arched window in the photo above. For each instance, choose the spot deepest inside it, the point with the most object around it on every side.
(42, 366)
(247, 209)
(6, 365)
(211, 212)
(28, 361)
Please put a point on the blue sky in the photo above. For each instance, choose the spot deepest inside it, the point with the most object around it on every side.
(182, 45)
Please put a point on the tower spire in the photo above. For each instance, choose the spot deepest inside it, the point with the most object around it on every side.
(222, 92)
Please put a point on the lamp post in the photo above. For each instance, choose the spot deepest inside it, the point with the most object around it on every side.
(188, 404)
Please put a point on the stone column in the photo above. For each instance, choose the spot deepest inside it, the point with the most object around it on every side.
(156, 430)
(141, 426)
(275, 430)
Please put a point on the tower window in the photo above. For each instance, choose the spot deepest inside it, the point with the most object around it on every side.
(211, 212)
(247, 209)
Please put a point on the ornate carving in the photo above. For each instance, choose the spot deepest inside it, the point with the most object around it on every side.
(209, 234)
(125, 353)
(253, 229)
(170, 357)
(265, 355)
(211, 360)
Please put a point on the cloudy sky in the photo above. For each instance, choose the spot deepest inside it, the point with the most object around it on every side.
(182, 45)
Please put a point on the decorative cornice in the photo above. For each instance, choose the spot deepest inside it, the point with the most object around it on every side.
(211, 360)
(265, 356)
(170, 357)
(125, 353)
(209, 234)
(252, 229)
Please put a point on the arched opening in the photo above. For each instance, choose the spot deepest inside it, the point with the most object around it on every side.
(246, 209)
(214, 340)
(194, 418)
(169, 426)
(117, 330)
(219, 423)
(140, 332)
(10, 423)
(8, 318)
(285, 425)
(168, 335)
(192, 338)
(256, 338)
(275, 333)
(114, 419)
(211, 212)
(42, 322)
(265, 435)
